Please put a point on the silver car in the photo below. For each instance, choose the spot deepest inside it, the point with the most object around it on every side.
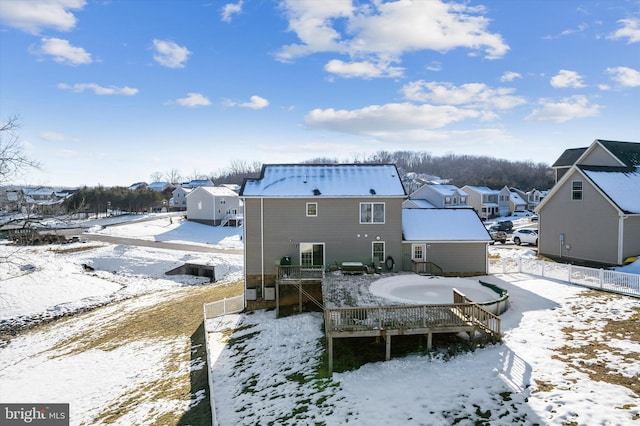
(529, 236)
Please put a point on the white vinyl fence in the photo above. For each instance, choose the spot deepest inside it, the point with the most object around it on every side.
(211, 310)
(601, 279)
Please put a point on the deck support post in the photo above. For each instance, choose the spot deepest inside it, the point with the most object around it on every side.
(330, 354)
(277, 299)
(429, 341)
(387, 339)
(300, 297)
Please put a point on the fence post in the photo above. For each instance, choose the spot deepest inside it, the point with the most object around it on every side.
(519, 265)
(224, 305)
(601, 277)
(569, 272)
(542, 268)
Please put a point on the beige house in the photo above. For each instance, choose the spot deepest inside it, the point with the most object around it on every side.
(592, 214)
(487, 202)
(213, 205)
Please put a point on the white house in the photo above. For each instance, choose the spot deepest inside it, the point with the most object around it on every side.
(214, 205)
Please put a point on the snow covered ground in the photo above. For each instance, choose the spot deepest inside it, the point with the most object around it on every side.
(544, 371)
(264, 369)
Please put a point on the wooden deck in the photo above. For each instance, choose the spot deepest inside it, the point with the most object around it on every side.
(386, 321)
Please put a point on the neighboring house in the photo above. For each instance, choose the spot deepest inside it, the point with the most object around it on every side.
(565, 161)
(319, 216)
(516, 201)
(533, 199)
(444, 241)
(213, 205)
(486, 201)
(179, 199)
(159, 186)
(441, 196)
(593, 213)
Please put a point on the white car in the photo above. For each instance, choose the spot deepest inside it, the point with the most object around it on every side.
(529, 236)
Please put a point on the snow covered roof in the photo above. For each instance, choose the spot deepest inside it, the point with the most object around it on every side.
(443, 225)
(325, 180)
(417, 204)
(517, 199)
(159, 186)
(622, 187)
(216, 191)
(483, 189)
(448, 190)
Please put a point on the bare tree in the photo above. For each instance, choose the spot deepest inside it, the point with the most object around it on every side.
(156, 176)
(13, 160)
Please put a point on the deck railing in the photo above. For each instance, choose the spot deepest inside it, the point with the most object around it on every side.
(297, 272)
(601, 279)
(426, 268)
(410, 317)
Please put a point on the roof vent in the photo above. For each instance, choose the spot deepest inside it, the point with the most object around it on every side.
(316, 192)
(372, 191)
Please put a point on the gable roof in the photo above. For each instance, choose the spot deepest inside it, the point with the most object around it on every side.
(569, 157)
(325, 180)
(443, 225)
(622, 187)
(214, 191)
(627, 152)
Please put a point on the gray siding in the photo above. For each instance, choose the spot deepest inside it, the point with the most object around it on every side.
(453, 258)
(631, 246)
(286, 225)
(590, 225)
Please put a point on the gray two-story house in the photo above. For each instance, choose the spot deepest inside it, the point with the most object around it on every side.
(319, 216)
(592, 214)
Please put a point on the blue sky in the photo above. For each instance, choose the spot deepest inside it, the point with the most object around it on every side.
(111, 91)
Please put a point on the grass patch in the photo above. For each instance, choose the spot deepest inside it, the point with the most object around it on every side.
(74, 249)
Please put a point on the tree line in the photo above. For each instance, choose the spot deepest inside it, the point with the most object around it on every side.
(99, 200)
(459, 170)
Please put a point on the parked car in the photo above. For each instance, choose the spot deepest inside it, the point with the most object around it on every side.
(529, 236)
(521, 213)
(504, 225)
(498, 236)
(533, 218)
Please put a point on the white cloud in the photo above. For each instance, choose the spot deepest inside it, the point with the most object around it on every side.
(98, 90)
(194, 100)
(32, 16)
(568, 109)
(231, 9)
(386, 30)
(630, 30)
(63, 52)
(170, 54)
(388, 118)
(625, 76)
(476, 95)
(566, 78)
(435, 66)
(363, 69)
(256, 102)
(510, 76)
